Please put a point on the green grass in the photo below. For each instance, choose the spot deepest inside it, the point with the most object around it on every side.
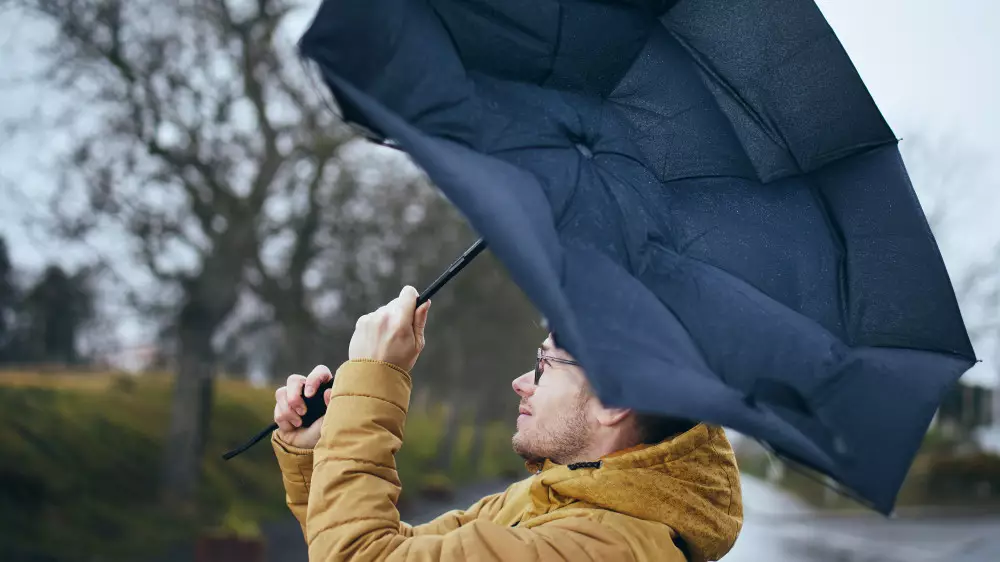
(81, 457)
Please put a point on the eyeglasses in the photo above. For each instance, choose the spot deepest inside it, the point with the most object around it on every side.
(538, 363)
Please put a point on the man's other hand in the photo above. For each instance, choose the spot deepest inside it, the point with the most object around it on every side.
(394, 333)
(290, 407)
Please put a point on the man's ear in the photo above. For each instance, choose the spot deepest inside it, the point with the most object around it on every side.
(609, 417)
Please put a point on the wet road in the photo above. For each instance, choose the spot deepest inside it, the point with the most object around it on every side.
(865, 539)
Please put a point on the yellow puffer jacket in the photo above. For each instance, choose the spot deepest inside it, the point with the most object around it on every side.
(675, 501)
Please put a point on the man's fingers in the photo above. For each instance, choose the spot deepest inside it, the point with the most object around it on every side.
(288, 415)
(327, 396)
(281, 408)
(280, 420)
(286, 420)
(319, 375)
(293, 393)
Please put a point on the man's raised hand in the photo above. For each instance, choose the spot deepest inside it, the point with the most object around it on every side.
(394, 333)
(289, 408)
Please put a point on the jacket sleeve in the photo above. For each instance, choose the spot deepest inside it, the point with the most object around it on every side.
(351, 513)
(296, 472)
(452, 520)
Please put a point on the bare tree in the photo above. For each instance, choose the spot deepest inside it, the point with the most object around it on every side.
(200, 138)
(201, 141)
(379, 231)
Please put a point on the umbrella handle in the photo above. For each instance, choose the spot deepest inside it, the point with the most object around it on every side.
(315, 405)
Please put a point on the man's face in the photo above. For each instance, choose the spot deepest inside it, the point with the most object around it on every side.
(554, 420)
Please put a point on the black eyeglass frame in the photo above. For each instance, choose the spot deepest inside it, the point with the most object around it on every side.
(539, 357)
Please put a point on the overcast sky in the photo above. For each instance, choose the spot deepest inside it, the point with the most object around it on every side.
(929, 65)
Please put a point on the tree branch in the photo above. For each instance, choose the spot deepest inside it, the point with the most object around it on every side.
(305, 240)
(253, 37)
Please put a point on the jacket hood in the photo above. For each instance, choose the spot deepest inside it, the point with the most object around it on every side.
(689, 482)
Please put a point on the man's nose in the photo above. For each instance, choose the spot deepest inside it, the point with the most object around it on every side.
(524, 385)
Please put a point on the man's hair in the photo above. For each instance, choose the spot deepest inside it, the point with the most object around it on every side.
(653, 429)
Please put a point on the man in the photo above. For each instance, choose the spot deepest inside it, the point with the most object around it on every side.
(605, 486)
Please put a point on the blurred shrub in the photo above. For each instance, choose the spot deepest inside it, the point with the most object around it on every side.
(125, 384)
(237, 524)
(965, 479)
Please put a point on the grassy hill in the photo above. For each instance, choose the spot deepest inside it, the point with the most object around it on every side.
(81, 457)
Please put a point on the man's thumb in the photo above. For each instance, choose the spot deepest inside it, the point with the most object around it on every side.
(420, 321)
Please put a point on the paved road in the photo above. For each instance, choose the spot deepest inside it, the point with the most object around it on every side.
(871, 539)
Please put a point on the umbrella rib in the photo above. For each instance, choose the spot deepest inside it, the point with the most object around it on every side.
(769, 129)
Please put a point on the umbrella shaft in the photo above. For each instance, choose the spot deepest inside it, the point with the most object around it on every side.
(456, 266)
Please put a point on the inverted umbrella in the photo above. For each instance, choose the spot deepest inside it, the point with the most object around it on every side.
(700, 196)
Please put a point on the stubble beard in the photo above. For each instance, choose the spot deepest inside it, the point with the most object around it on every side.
(563, 437)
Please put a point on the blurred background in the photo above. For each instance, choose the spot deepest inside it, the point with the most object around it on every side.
(184, 222)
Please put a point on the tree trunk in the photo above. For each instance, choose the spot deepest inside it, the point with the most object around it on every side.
(206, 395)
(189, 417)
(304, 347)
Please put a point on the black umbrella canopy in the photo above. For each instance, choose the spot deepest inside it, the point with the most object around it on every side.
(700, 196)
